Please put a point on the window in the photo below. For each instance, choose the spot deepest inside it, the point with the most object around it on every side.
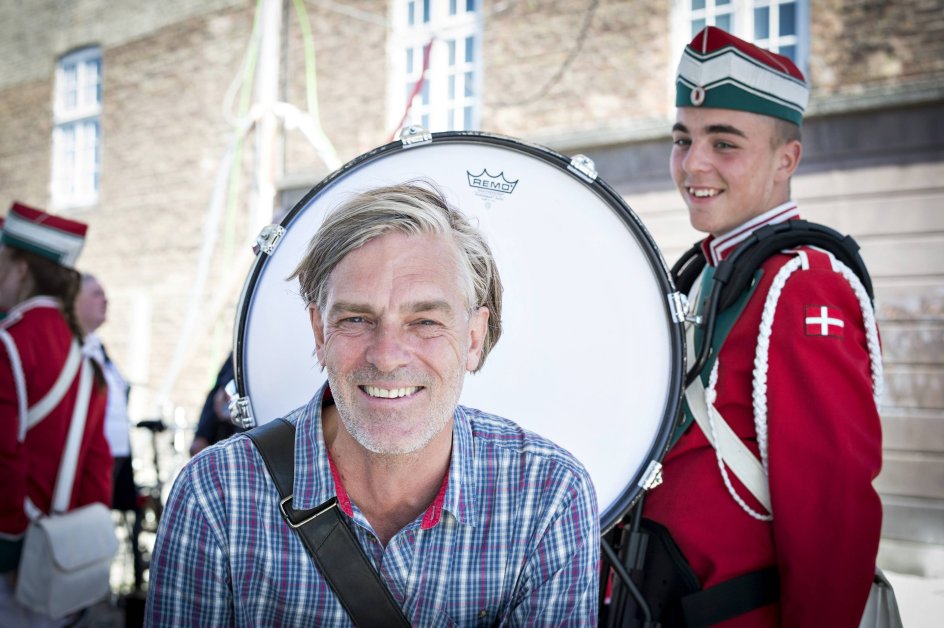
(77, 133)
(777, 25)
(442, 37)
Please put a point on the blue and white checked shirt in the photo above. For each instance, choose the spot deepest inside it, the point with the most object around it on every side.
(514, 540)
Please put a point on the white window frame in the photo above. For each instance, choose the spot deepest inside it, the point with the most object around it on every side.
(76, 136)
(451, 96)
(742, 12)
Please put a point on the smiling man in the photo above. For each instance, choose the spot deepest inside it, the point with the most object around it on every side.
(794, 372)
(467, 518)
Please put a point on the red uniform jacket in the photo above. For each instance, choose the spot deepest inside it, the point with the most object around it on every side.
(824, 441)
(29, 466)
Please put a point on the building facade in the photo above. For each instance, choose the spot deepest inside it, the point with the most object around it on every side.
(142, 119)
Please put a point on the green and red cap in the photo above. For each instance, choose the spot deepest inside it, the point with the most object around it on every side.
(53, 237)
(722, 71)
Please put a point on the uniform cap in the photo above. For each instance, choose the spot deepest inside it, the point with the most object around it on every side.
(53, 237)
(722, 71)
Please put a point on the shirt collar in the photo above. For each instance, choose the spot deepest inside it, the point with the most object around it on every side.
(717, 249)
(316, 480)
(313, 482)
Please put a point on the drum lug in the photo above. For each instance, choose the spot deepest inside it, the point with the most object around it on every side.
(678, 304)
(240, 412)
(584, 166)
(415, 135)
(268, 239)
(652, 477)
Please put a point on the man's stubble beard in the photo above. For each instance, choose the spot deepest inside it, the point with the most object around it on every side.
(359, 424)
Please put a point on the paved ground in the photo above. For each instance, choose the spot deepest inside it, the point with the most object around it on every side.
(920, 600)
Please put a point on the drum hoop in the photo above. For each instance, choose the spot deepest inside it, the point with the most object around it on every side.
(633, 491)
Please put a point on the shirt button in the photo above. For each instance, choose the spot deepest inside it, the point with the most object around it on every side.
(483, 614)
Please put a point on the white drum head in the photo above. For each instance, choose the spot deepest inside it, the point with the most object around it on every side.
(589, 355)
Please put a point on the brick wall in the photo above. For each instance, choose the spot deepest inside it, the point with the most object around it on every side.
(543, 76)
(861, 44)
(163, 142)
(25, 144)
(351, 58)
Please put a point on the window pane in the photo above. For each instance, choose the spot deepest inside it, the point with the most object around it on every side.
(724, 22)
(68, 141)
(424, 120)
(452, 53)
(762, 23)
(411, 13)
(424, 93)
(467, 118)
(468, 85)
(789, 51)
(787, 19)
(69, 80)
(452, 7)
(721, 2)
(425, 11)
(409, 61)
(470, 6)
(469, 49)
(90, 83)
(697, 25)
(697, 5)
(450, 119)
(451, 89)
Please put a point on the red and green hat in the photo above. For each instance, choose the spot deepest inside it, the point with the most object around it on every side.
(53, 237)
(721, 71)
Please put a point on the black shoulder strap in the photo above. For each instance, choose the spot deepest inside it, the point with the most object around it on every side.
(731, 598)
(737, 271)
(686, 270)
(331, 544)
(772, 239)
(735, 274)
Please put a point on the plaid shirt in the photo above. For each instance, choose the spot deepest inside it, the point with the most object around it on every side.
(513, 538)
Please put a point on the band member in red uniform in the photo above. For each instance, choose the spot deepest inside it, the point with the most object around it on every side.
(795, 368)
(38, 286)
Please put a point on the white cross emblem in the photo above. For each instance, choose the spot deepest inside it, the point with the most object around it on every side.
(824, 321)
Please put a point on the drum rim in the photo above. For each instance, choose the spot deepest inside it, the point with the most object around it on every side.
(633, 491)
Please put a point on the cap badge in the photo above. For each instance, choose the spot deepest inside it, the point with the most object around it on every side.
(698, 96)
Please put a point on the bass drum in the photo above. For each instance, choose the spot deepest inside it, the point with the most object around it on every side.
(590, 356)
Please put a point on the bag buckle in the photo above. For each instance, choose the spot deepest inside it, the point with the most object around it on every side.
(316, 512)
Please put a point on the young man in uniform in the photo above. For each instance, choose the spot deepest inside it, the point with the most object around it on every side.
(795, 369)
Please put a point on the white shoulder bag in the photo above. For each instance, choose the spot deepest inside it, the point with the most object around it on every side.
(67, 556)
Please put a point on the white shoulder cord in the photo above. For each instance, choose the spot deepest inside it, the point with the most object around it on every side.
(766, 325)
(763, 349)
(760, 375)
(710, 396)
(729, 449)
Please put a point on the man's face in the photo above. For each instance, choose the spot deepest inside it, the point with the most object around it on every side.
(726, 166)
(91, 306)
(396, 337)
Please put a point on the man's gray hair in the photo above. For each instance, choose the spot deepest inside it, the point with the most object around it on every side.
(411, 208)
